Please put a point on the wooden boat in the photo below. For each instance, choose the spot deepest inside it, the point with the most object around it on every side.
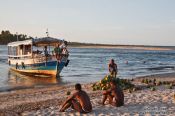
(29, 56)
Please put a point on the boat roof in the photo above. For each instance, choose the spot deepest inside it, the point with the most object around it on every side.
(44, 41)
(17, 43)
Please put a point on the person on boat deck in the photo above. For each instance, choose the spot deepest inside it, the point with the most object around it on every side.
(113, 68)
(45, 51)
(79, 101)
(58, 51)
(63, 47)
(65, 52)
(114, 94)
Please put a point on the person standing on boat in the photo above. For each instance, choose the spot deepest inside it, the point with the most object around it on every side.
(46, 52)
(64, 50)
(113, 68)
(58, 51)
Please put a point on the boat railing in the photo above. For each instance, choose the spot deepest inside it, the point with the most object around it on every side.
(19, 56)
(41, 57)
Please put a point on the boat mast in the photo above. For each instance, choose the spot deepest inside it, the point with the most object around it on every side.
(47, 32)
(17, 35)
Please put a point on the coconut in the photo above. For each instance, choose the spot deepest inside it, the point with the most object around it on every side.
(129, 91)
(153, 88)
(134, 89)
(169, 87)
(146, 81)
(150, 81)
(154, 80)
(68, 93)
(171, 84)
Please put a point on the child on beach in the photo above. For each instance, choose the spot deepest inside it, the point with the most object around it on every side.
(114, 94)
(79, 101)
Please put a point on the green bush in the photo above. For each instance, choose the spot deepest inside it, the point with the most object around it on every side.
(104, 83)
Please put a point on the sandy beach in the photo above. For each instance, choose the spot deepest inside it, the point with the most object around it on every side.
(46, 101)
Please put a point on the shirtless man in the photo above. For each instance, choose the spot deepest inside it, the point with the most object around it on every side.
(114, 94)
(112, 68)
(79, 101)
(46, 52)
(58, 51)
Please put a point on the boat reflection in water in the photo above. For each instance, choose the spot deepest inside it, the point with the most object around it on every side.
(16, 79)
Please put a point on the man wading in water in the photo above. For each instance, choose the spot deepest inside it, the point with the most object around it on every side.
(113, 68)
(79, 101)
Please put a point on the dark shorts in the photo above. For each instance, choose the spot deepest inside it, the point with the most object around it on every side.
(117, 103)
(77, 106)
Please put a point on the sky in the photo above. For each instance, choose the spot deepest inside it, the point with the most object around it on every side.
(133, 22)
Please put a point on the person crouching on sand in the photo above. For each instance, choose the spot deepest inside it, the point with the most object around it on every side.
(114, 94)
(79, 101)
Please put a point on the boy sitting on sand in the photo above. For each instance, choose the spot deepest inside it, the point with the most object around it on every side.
(114, 94)
(79, 101)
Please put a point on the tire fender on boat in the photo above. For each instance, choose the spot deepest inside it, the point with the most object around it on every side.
(17, 66)
(9, 62)
(23, 65)
(67, 62)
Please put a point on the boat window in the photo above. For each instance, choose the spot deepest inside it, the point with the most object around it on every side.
(27, 49)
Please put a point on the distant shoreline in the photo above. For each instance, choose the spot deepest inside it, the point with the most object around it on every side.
(134, 47)
(7, 37)
(109, 46)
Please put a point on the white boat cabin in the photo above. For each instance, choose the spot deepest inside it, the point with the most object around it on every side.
(33, 51)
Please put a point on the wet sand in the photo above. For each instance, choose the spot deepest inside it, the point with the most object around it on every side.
(47, 100)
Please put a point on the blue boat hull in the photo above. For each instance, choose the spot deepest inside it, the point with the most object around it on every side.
(45, 68)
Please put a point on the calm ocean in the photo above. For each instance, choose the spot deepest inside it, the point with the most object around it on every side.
(90, 65)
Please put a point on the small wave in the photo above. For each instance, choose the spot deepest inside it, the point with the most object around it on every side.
(161, 68)
(3, 61)
(79, 75)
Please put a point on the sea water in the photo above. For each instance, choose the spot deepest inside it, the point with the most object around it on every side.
(91, 64)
